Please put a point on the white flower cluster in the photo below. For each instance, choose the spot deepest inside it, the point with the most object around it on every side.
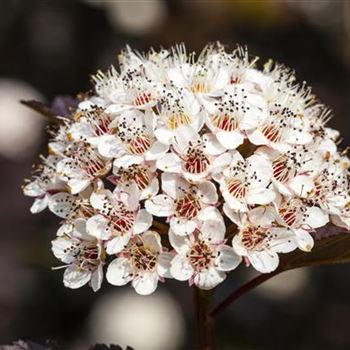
(181, 168)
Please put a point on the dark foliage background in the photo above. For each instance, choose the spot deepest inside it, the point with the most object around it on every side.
(51, 47)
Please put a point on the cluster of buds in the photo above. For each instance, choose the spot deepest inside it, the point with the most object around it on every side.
(183, 167)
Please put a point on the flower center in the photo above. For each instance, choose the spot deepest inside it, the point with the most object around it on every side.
(176, 120)
(142, 99)
(196, 161)
(143, 259)
(85, 158)
(140, 144)
(225, 122)
(237, 188)
(272, 133)
(201, 255)
(253, 237)
(188, 206)
(281, 171)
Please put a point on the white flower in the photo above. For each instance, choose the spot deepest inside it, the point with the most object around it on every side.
(143, 263)
(44, 184)
(115, 222)
(82, 255)
(282, 128)
(195, 157)
(133, 142)
(176, 107)
(293, 171)
(245, 182)
(182, 202)
(302, 219)
(235, 112)
(82, 167)
(91, 125)
(259, 240)
(136, 182)
(72, 206)
(182, 138)
(203, 258)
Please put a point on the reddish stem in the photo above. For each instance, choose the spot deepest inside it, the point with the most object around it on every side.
(241, 291)
(205, 323)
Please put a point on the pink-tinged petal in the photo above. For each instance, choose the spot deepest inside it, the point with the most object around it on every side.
(283, 241)
(176, 75)
(341, 221)
(227, 260)
(304, 240)
(118, 243)
(127, 160)
(180, 268)
(230, 140)
(33, 189)
(302, 185)
(180, 243)
(209, 278)
(170, 162)
(74, 277)
(78, 185)
(261, 196)
(151, 240)
(99, 198)
(298, 138)
(61, 204)
(96, 279)
(207, 192)
(79, 230)
(210, 213)
(184, 135)
(98, 226)
(213, 231)
(264, 261)
(160, 205)
(182, 226)
(170, 184)
(256, 137)
(163, 266)
(151, 190)
(238, 246)
(110, 147)
(213, 145)
(260, 171)
(263, 216)
(143, 221)
(316, 217)
(220, 163)
(156, 151)
(235, 216)
(39, 205)
(129, 194)
(164, 135)
(119, 272)
(233, 202)
(60, 248)
(145, 283)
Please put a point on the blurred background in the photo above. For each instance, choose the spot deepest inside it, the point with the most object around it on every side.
(50, 48)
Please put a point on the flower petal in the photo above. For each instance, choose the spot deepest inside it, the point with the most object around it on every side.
(119, 272)
(160, 205)
(227, 259)
(75, 278)
(208, 279)
(145, 284)
(180, 268)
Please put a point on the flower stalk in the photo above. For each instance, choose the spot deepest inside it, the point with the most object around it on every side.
(205, 322)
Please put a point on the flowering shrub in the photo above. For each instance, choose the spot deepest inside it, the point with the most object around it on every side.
(176, 167)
